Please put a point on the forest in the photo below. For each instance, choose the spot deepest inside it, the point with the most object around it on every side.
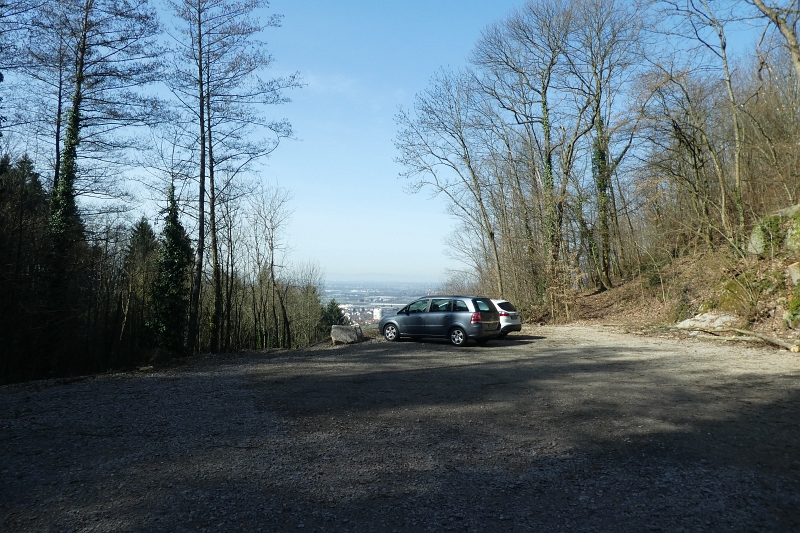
(84, 288)
(590, 141)
(586, 142)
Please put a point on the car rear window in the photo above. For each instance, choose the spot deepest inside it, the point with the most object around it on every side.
(506, 306)
(483, 305)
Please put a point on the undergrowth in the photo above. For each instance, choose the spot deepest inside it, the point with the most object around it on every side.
(756, 290)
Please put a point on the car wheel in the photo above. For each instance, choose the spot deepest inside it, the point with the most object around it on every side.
(503, 335)
(458, 337)
(390, 332)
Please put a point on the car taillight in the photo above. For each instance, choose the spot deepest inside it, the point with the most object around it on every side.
(476, 318)
(503, 313)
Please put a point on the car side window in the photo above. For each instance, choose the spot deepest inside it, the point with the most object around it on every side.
(439, 305)
(418, 307)
(460, 305)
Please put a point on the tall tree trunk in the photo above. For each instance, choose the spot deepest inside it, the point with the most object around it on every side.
(737, 136)
(194, 306)
(229, 287)
(216, 315)
(601, 179)
(551, 218)
(286, 336)
(64, 223)
(59, 118)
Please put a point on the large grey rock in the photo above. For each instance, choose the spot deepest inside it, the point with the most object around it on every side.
(793, 235)
(346, 334)
(788, 212)
(757, 243)
(794, 273)
(792, 321)
(709, 320)
(774, 231)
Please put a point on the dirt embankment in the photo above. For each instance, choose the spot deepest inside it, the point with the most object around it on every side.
(557, 429)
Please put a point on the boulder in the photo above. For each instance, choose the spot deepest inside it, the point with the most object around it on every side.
(776, 230)
(794, 273)
(793, 235)
(709, 320)
(757, 243)
(791, 320)
(346, 334)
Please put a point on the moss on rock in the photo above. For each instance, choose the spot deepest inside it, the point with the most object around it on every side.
(741, 295)
(775, 231)
(793, 235)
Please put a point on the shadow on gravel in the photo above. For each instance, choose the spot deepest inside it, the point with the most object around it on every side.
(414, 436)
(589, 437)
(514, 338)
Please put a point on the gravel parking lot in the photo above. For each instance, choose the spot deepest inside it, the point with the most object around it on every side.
(555, 429)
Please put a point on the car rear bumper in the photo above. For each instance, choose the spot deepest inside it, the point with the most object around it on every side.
(482, 331)
(512, 327)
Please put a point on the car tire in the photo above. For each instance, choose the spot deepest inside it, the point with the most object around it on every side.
(458, 337)
(391, 333)
(503, 335)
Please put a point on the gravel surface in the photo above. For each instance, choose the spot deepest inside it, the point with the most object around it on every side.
(555, 429)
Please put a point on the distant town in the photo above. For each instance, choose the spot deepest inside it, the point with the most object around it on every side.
(366, 304)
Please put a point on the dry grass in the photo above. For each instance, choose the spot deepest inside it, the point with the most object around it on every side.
(755, 290)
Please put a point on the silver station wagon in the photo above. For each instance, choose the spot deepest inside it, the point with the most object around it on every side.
(457, 318)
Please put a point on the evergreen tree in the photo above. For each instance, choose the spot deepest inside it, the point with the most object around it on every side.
(141, 255)
(170, 299)
(332, 315)
(23, 218)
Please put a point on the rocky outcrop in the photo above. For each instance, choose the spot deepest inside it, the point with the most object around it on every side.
(793, 273)
(709, 320)
(779, 230)
(346, 334)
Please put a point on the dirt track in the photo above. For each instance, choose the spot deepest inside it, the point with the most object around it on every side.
(557, 429)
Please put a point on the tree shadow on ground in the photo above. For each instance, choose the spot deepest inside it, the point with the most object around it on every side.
(416, 437)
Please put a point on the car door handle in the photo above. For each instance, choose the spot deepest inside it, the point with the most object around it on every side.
(447, 316)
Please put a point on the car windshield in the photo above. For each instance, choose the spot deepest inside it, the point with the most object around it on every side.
(420, 306)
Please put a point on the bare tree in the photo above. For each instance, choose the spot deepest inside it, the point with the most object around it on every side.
(520, 58)
(103, 51)
(267, 217)
(603, 53)
(706, 22)
(785, 16)
(440, 146)
(219, 64)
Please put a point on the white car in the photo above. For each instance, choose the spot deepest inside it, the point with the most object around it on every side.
(509, 317)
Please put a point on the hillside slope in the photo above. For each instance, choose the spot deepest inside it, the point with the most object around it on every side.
(757, 291)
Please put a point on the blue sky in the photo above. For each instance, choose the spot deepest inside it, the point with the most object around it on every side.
(360, 61)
